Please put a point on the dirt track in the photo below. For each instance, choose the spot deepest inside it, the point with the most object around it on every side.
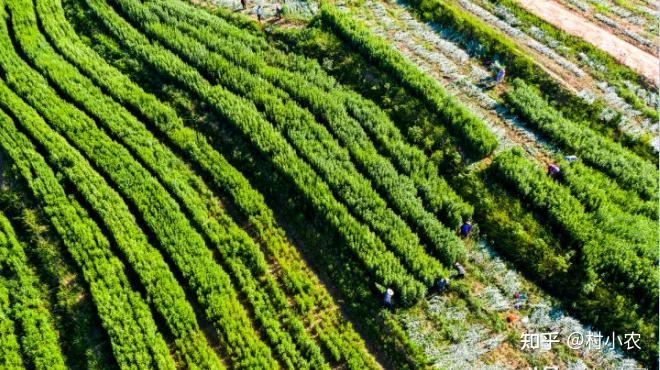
(644, 63)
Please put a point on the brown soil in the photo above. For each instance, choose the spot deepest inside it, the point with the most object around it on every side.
(639, 60)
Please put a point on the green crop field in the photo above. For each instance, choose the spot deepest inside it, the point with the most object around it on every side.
(202, 185)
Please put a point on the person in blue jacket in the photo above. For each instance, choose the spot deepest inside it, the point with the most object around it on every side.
(500, 76)
(387, 300)
(465, 229)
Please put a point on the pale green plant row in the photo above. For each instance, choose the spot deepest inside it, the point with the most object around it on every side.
(629, 170)
(39, 339)
(183, 245)
(607, 257)
(470, 130)
(341, 340)
(383, 265)
(10, 350)
(314, 143)
(194, 195)
(439, 197)
(399, 190)
(133, 334)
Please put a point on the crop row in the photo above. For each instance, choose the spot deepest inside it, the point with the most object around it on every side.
(82, 339)
(10, 351)
(597, 192)
(595, 189)
(169, 124)
(494, 44)
(399, 189)
(605, 254)
(467, 127)
(161, 286)
(184, 246)
(232, 246)
(252, 52)
(307, 292)
(39, 338)
(137, 343)
(319, 148)
(629, 170)
(384, 266)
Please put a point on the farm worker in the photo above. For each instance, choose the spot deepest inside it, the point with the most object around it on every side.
(442, 284)
(570, 158)
(465, 229)
(259, 13)
(511, 317)
(244, 4)
(500, 76)
(389, 293)
(460, 270)
(553, 170)
(279, 11)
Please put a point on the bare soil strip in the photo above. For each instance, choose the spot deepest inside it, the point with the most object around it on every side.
(644, 63)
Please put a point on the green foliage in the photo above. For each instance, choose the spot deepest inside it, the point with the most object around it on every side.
(242, 114)
(627, 169)
(320, 149)
(239, 253)
(10, 351)
(596, 189)
(138, 344)
(607, 260)
(306, 81)
(615, 261)
(185, 247)
(39, 339)
(470, 130)
(496, 46)
(311, 298)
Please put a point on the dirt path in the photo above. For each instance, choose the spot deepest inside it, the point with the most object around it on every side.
(644, 63)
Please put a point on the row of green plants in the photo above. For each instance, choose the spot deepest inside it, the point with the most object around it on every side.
(244, 77)
(396, 337)
(161, 286)
(608, 256)
(398, 189)
(595, 189)
(39, 339)
(10, 350)
(614, 72)
(382, 264)
(629, 170)
(320, 149)
(495, 45)
(636, 226)
(322, 246)
(614, 287)
(473, 133)
(167, 295)
(409, 160)
(519, 236)
(181, 181)
(84, 343)
(543, 254)
(440, 198)
(254, 53)
(341, 340)
(162, 215)
(138, 344)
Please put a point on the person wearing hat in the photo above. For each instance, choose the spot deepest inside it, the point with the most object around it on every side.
(460, 270)
(389, 293)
